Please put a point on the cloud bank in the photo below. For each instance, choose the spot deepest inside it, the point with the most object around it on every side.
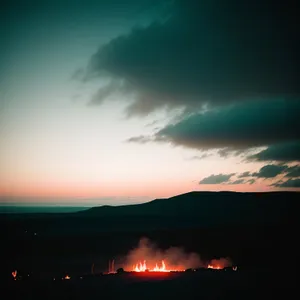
(229, 66)
(290, 176)
(205, 53)
(240, 126)
(291, 183)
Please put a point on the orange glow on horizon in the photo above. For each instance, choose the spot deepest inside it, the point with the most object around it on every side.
(79, 193)
(79, 190)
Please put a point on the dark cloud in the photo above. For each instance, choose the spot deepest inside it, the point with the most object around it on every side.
(214, 52)
(144, 139)
(79, 74)
(291, 183)
(238, 181)
(243, 175)
(239, 126)
(285, 152)
(139, 139)
(49, 9)
(293, 171)
(153, 123)
(270, 171)
(235, 60)
(202, 156)
(104, 93)
(251, 181)
(224, 152)
(216, 179)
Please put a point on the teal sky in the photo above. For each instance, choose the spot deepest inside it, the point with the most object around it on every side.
(100, 105)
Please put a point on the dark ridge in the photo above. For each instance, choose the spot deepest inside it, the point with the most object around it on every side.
(210, 207)
(193, 209)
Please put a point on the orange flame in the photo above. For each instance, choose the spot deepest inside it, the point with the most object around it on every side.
(217, 267)
(67, 277)
(142, 267)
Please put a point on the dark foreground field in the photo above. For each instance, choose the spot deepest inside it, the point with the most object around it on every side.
(255, 284)
(258, 231)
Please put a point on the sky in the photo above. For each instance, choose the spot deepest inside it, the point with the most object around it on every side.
(116, 102)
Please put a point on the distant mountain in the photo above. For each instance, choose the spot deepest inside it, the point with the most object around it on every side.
(190, 210)
(209, 208)
(30, 209)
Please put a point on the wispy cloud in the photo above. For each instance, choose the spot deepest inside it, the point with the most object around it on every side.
(216, 179)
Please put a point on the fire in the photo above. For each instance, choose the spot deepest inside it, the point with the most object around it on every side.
(67, 277)
(142, 267)
(160, 269)
(14, 274)
(217, 267)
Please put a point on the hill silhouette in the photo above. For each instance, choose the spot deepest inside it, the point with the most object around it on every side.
(189, 210)
(209, 208)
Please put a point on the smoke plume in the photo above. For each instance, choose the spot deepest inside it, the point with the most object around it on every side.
(174, 257)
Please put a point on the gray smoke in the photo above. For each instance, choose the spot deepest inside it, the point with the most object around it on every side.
(175, 258)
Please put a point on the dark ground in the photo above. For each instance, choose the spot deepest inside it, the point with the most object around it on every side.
(259, 284)
(257, 231)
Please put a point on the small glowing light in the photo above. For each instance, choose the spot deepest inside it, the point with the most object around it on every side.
(14, 274)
